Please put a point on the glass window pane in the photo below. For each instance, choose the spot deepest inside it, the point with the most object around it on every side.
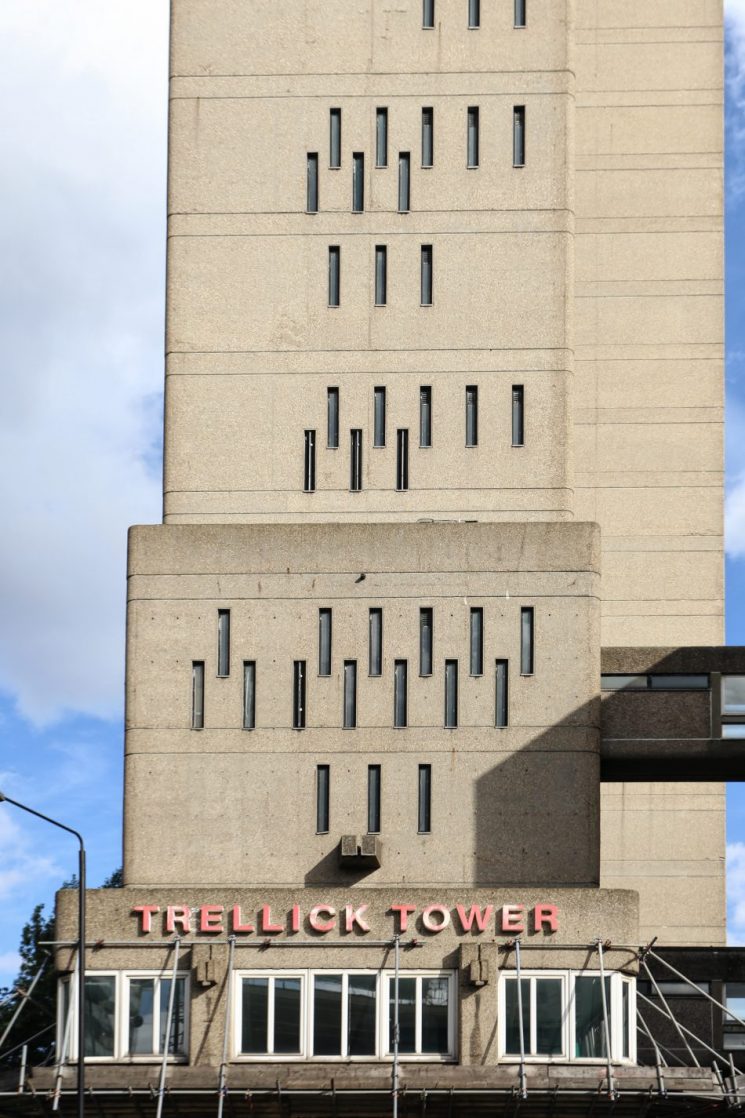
(249, 694)
(376, 641)
(141, 998)
(287, 1015)
(435, 1015)
(734, 999)
(526, 640)
(404, 181)
(733, 694)
(425, 415)
(548, 1017)
(425, 641)
(477, 641)
(512, 1017)
(734, 731)
(361, 1014)
(379, 417)
(427, 137)
(399, 693)
(406, 1015)
(323, 804)
(589, 1030)
(679, 682)
(626, 1020)
(451, 694)
(324, 641)
(332, 433)
(381, 138)
(327, 1015)
(255, 1015)
(424, 804)
(501, 698)
(100, 1009)
(623, 682)
(350, 694)
(177, 1040)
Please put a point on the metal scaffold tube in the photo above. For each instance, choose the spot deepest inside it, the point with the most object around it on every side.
(167, 1037)
(222, 1082)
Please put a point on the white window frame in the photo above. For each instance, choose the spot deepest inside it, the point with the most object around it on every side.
(383, 987)
(568, 1017)
(121, 1017)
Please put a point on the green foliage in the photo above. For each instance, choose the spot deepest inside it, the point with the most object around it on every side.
(39, 1011)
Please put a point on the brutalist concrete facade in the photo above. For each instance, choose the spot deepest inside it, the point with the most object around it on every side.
(443, 419)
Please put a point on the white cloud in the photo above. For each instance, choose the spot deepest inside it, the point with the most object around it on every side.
(734, 11)
(10, 961)
(81, 310)
(18, 860)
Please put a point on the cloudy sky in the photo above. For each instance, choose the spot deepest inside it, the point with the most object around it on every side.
(82, 235)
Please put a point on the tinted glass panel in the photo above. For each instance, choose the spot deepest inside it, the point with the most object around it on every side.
(512, 1017)
(406, 1015)
(327, 1015)
(733, 694)
(100, 1012)
(177, 1040)
(548, 1016)
(734, 731)
(623, 682)
(141, 998)
(679, 683)
(435, 1015)
(255, 1015)
(381, 138)
(376, 641)
(361, 1011)
(589, 1035)
(287, 1015)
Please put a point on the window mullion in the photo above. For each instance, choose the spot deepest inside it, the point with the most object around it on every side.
(345, 1015)
(270, 1017)
(418, 1015)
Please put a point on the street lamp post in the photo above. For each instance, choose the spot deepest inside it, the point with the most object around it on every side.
(81, 942)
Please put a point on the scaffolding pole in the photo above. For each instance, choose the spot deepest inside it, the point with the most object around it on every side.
(661, 996)
(396, 1020)
(606, 1025)
(693, 1036)
(65, 1039)
(523, 1080)
(24, 996)
(693, 985)
(167, 1038)
(222, 1083)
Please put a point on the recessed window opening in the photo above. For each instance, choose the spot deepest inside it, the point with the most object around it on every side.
(428, 136)
(375, 648)
(311, 203)
(426, 275)
(373, 799)
(332, 413)
(474, 13)
(518, 136)
(402, 459)
(355, 461)
(425, 415)
(223, 642)
(379, 416)
(298, 694)
(617, 682)
(309, 469)
(472, 137)
(335, 138)
(501, 698)
(424, 804)
(381, 275)
(197, 695)
(451, 694)
(324, 641)
(350, 694)
(428, 14)
(127, 1015)
(472, 415)
(400, 713)
(381, 137)
(518, 415)
(404, 182)
(477, 641)
(426, 624)
(323, 798)
(425, 1022)
(249, 694)
(358, 182)
(527, 625)
(334, 275)
(521, 13)
(271, 1015)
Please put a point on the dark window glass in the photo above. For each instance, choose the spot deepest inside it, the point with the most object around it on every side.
(373, 799)
(451, 694)
(474, 13)
(402, 459)
(473, 137)
(424, 806)
(518, 136)
(379, 417)
(548, 1017)
(428, 137)
(472, 415)
(358, 182)
(332, 408)
(350, 694)
(512, 1017)
(425, 640)
(355, 462)
(361, 1014)
(141, 1015)
(323, 798)
(324, 641)
(502, 694)
(223, 642)
(426, 275)
(255, 1018)
(526, 640)
(249, 694)
(518, 415)
(435, 1015)
(589, 1025)
(177, 1039)
(100, 1014)
(327, 1015)
(399, 693)
(381, 138)
(309, 466)
(298, 695)
(520, 13)
(404, 182)
(477, 641)
(428, 13)
(376, 641)
(334, 275)
(335, 138)
(311, 203)
(197, 695)
(381, 275)
(286, 1015)
(425, 415)
(406, 1015)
